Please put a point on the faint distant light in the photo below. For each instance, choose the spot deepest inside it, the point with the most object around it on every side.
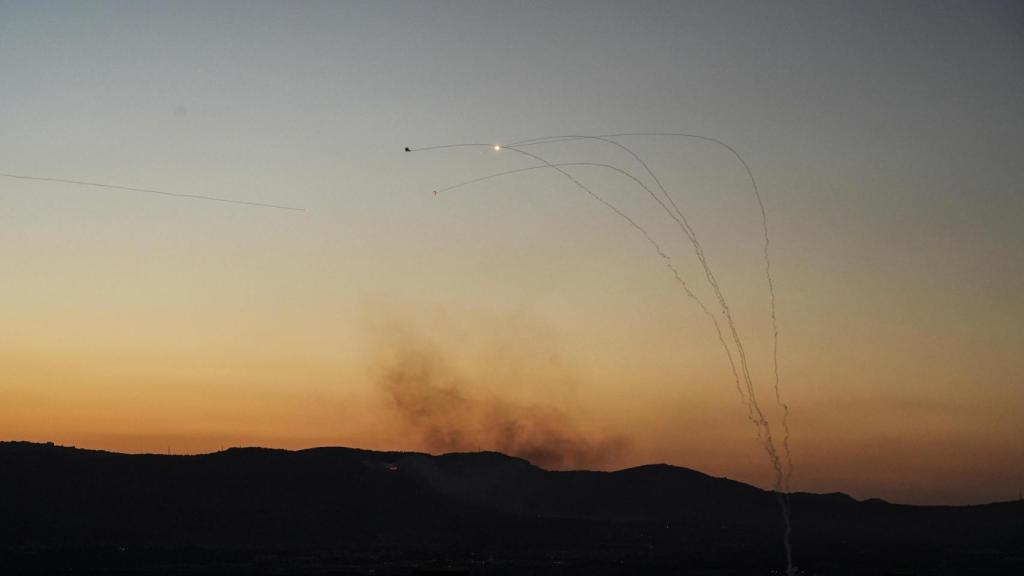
(497, 147)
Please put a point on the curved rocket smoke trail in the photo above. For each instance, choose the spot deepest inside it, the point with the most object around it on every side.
(755, 414)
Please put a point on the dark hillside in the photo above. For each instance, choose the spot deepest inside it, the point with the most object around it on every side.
(356, 510)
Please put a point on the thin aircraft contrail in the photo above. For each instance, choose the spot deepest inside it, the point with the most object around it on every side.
(150, 191)
(755, 414)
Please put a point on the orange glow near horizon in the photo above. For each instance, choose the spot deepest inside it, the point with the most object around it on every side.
(520, 313)
(190, 400)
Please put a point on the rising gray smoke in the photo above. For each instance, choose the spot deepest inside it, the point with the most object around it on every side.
(449, 414)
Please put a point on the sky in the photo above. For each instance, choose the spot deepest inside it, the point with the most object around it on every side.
(519, 314)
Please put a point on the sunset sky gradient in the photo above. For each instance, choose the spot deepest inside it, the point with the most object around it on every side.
(886, 138)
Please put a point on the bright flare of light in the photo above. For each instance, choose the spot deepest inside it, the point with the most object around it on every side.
(497, 147)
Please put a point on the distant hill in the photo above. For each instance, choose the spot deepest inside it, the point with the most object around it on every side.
(350, 510)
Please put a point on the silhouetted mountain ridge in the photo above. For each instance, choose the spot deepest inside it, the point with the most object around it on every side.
(56, 496)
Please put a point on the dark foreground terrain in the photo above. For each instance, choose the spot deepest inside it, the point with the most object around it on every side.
(340, 511)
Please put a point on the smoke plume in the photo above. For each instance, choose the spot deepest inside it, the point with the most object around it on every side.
(448, 413)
